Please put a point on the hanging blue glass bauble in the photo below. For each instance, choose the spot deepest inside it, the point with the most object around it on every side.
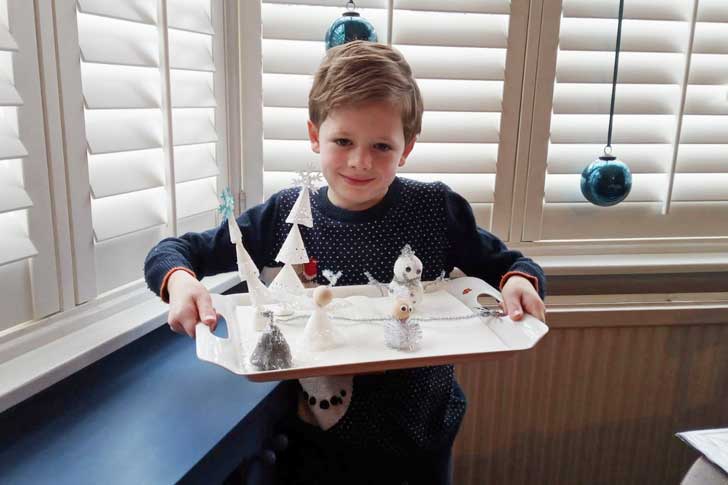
(350, 26)
(606, 181)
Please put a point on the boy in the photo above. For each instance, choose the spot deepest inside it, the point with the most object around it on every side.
(365, 112)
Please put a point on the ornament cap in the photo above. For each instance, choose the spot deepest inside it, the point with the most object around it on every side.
(607, 158)
(350, 14)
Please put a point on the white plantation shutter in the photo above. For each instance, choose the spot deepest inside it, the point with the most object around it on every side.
(458, 53)
(134, 142)
(655, 38)
(27, 260)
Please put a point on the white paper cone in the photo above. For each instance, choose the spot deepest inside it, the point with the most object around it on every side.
(301, 211)
(287, 281)
(235, 234)
(293, 251)
(259, 293)
(246, 266)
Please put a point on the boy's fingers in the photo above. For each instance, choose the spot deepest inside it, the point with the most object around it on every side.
(205, 309)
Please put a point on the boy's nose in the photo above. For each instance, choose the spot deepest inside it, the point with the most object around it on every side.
(361, 159)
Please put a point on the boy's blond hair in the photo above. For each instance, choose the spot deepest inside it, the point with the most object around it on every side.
(362, 71)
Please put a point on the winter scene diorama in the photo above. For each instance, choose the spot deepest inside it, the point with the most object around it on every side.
(290, 330)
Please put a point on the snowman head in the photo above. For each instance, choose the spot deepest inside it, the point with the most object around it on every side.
(408, 266)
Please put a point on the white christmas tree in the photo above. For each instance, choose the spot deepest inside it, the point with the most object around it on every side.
(259, 294)
(293, 250)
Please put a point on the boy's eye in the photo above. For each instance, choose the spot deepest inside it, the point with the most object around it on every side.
(408, 269)
(342, 142)
(382, 147)
(419, 271)
(403, 308)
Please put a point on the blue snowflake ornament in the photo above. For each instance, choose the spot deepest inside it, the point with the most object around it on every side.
(227, 204)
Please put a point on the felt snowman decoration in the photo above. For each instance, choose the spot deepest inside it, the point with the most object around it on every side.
(399, 331)
(407, 282)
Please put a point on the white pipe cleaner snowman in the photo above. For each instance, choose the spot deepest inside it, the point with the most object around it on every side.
(407, 282)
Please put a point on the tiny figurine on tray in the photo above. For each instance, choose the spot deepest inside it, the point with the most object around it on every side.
(400, 332)
(272, 351)
(407, 282)
(320, 333)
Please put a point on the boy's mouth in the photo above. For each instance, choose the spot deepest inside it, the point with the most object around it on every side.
(356, 181)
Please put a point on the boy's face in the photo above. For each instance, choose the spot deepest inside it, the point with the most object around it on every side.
(361, 148)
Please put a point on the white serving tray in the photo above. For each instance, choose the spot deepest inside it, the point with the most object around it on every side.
(445, 340)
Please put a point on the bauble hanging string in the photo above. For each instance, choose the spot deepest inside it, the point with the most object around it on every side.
(350, 26)
(607, 181)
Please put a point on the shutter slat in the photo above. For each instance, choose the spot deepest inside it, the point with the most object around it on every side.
(704, 129)
(637, 35)
(128, 213)
(15, 245)
(471, 6)
(192, 89)
(711, 38)
(193, 126)
(706, 100)
(306, 22)
(450, 29)
(634, 67)
(111, 41)
(9, 95)
(190, 15)
(120, 173)
(292, 56)
(7, 43)
(194, 162)
(188, 50)
(123, 130)
(10, 146)
(634, 9)
(702, 158)
(132, 87)
(638, 220)
(196, 197)
(713, 11)
(144, 11)
(575, 98)
(627, 128)
(437, 62)
(331, 3)
(13, 196)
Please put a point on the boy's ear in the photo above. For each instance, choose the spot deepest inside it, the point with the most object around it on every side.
(313, 135)
(407, 150)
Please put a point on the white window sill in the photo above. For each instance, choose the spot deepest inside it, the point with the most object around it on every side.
(61, 346)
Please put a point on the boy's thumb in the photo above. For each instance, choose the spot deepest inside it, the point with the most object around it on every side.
(205, 309)
(515, 312)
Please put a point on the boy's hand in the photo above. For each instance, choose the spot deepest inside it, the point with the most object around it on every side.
(189, 304)
(519, 295)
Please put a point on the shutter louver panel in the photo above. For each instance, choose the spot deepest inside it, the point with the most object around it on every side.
(29, 278)
(121, 84)
(15, 243)
(651, 69)
(457, 51)
(193, 68)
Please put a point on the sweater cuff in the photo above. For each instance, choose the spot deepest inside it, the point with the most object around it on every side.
(529, 277)
(163, 289)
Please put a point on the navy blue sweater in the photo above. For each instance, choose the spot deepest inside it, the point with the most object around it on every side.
(399, 411)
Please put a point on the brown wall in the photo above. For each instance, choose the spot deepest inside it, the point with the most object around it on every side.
(598, 400)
